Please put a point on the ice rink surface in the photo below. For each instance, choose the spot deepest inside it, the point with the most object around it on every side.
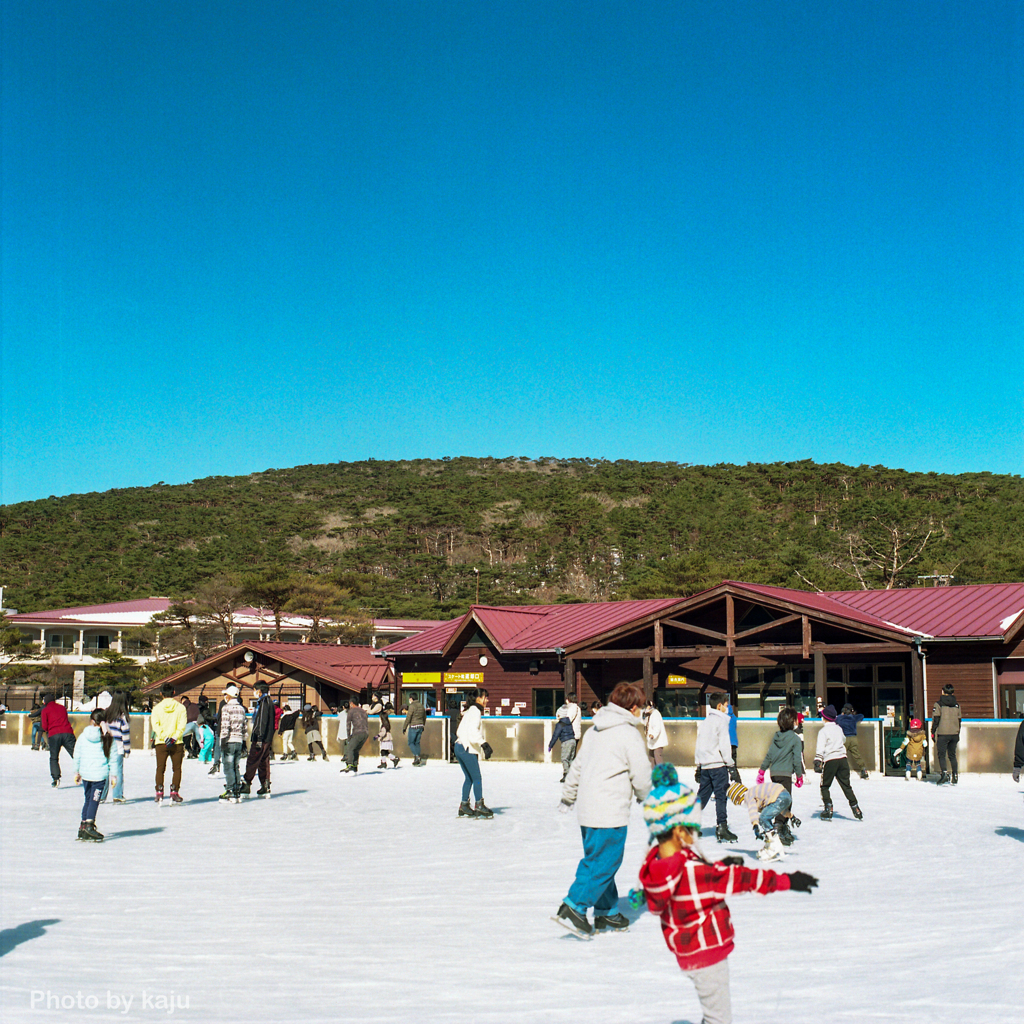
(364, 899)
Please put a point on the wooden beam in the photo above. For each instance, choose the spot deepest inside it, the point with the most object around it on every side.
(686, 627)
(806, 624)
(658, 640)
(569, 679)
(690, 652)
(638, 654)
(819, 675)
(648, 679)
(730, 624)
(768, 625)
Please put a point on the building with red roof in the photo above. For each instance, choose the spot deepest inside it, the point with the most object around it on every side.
(769, 646)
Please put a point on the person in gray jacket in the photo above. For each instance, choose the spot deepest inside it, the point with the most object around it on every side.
(785, 761)
(946, 720)
(713, 755)
(609, 772)
(414, 724)
(358, 727)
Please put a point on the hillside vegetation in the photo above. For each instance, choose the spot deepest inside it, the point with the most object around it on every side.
(407, 538)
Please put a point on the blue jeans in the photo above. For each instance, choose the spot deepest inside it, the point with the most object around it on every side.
(595, 876)
(415, 738)
(37, 732)
(230, 753)
(717, 780)
(92, 798)
(779, 806)
(471, 769)
(116, 768)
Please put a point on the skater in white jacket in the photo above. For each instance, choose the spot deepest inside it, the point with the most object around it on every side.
(830, 760)
(713, 755)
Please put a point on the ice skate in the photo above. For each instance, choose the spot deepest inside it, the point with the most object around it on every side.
(864, 774)
(954, 778)
(943, 779)
(94, 832)
(383, 764)
(119, 800)
(857, 812)
(723, 835)
(611, 923)
(826, 814)
(908, 775)
(55, 783)
(920, 775)
(226, 795)
(785, 836)
(324, 756)
(214, 770)
(264, 790)
(85, 835)
(482, 810)
(176, 797)
(159, 795)
(466, 810)
(394, 762)
(772, 849)
(244, 790)
(576, 922)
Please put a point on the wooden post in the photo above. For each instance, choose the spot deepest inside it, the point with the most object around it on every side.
(805, 622)
(730, 625)
(658, 640)
(569, 681)
(819, 676)
(648, 677)
(917, 708)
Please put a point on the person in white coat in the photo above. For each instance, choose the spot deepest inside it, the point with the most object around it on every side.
(470, 746)
(657, 737)
(713, 755)
(610, 771)
(571, 710)
(830, 760)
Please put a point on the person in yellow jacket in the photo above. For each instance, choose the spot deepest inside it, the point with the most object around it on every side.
(913, 747)
(167, 723)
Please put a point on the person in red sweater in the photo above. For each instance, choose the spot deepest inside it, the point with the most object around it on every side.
(59, 734)
(688, 891)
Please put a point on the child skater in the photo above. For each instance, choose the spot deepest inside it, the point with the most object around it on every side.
(92, 768)
(206, 734)
(387, 744)
(914, 744)
(830, 760)
(687, 891)
(563, 734)
(784, 760)
(765, 804)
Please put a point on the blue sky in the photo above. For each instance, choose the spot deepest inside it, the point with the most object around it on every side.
(251, 235)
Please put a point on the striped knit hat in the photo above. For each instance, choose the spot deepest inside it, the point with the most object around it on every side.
(737, 793)
(671, 802)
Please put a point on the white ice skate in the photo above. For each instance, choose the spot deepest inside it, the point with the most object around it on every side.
(772, 849)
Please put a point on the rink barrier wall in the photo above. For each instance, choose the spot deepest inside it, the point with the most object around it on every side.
(985, 745)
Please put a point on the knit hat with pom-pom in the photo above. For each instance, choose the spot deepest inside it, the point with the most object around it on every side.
(670, 803)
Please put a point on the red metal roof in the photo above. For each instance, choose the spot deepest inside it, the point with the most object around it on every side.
(150, 605)
(538, 627)
(351, 667)
(978, 610)
(981, 610)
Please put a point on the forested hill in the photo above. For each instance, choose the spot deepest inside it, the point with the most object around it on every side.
(406, 538)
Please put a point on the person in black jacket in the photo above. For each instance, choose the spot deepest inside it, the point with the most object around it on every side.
(286, 727)
(1018, 754)
(261, 742)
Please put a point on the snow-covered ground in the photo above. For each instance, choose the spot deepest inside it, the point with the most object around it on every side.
(364, 899)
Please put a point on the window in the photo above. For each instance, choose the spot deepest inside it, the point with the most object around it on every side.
(547, 702)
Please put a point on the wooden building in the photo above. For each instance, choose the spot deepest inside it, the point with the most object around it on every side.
(768, 646)
(317, 674)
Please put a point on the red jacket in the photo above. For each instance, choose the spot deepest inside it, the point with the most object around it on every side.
(688, 894)
(54, 719)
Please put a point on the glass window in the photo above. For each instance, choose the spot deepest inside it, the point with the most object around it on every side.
(545, 702)
(859, 674)
(676, 703)
(834, 674)
(748, 705)
(890, 673)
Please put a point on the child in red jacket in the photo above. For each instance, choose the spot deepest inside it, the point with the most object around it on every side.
(688, 891)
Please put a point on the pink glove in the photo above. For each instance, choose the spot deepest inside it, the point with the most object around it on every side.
(760, 777)
(799, 781)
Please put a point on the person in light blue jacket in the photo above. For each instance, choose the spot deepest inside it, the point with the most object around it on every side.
(92, 768)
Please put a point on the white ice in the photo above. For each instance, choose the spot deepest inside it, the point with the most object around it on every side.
(364, 899)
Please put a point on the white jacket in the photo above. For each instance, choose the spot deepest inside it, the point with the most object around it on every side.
(831, 743)
(713, 749)
(610, 770)
(571, 710)
(471, 731)
(656, 734)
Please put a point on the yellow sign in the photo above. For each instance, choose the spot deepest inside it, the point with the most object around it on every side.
(676, 681)
(463, 677)
(420, 677)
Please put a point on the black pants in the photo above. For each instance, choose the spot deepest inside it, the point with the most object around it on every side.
(786, 782)
(947, 745)
(840, 771)
(258, 761)
(715, 780)
(65, 740)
